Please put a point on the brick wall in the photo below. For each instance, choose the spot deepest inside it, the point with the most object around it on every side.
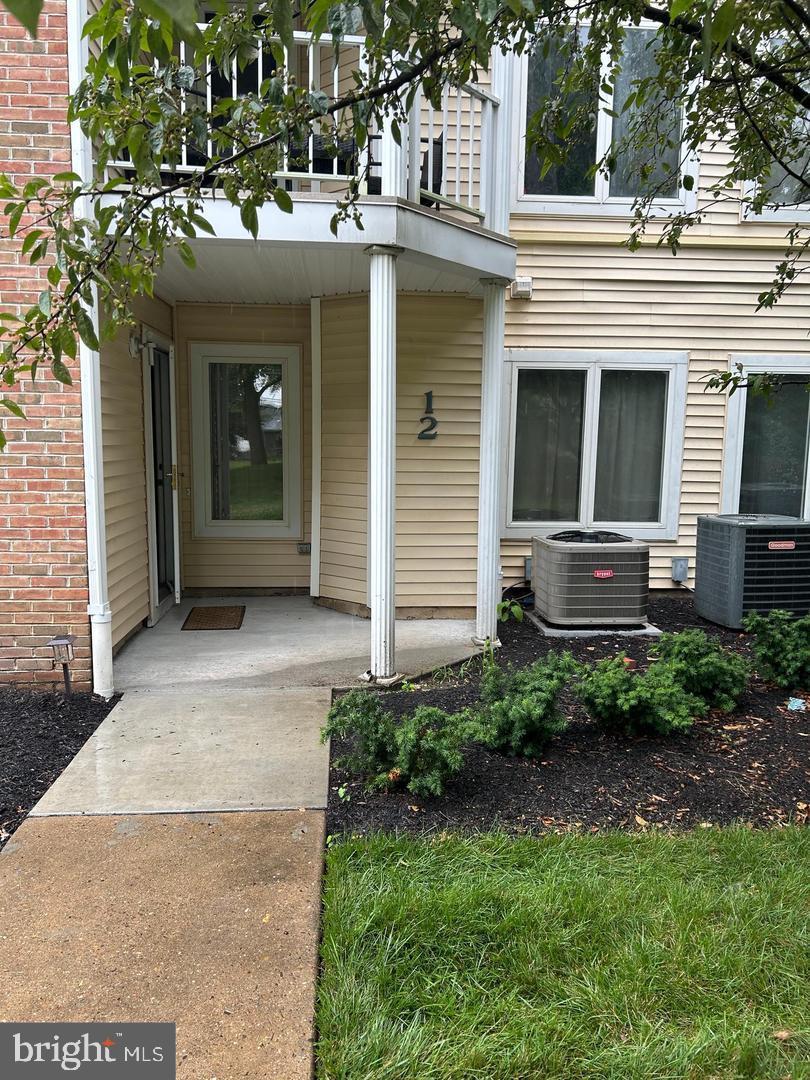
(43, 548)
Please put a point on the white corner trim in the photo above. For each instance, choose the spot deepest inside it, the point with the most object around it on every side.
(315, 497)
(289, 357)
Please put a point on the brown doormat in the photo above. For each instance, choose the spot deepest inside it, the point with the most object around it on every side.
(215, 618)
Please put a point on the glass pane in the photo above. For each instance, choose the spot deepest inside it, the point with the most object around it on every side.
(774, 459)
(571, 178)
(785, 189)
(630, 446)
(548, 445)
(247, 445)
(638, 62)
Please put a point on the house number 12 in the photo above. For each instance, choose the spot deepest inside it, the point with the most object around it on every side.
(429, 420)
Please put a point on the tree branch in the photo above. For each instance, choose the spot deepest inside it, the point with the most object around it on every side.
(695, 30)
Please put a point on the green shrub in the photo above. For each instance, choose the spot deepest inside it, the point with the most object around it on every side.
(519, 711)
(360, 717)
(429, 749)
(782, 648)
(704, 668)
(638, 702)
(421, 751)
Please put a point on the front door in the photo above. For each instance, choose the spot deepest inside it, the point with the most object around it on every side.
(163, 546)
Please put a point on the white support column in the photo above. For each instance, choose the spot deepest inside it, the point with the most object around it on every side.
(315, 536)
(489, 474)
(382, 306)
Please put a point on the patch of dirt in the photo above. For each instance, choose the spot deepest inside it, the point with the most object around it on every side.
(751, 765)
(39, 734)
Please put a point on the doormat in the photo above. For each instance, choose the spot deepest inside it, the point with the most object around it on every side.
(215, 618)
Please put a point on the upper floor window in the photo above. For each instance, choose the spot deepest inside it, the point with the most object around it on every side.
(787, 189)
(575, 185)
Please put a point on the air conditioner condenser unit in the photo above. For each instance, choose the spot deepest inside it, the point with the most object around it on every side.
(585, 578)
(751, 562)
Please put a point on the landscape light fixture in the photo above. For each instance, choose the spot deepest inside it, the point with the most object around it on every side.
(63, 654)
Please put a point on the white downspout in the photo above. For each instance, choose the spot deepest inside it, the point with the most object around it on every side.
(90, 373)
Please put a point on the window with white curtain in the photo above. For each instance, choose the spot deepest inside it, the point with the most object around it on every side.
(594, 439)
(571, 187)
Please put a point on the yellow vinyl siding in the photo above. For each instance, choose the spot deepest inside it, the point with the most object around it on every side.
(438, 349)
(125, 472)
(223, 564)
(344, 448)
(589, 296)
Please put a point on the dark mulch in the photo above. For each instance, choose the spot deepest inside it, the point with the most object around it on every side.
(39, 735)
(751, 765)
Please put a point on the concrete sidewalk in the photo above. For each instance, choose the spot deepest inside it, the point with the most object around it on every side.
(207, 920)
(129, 895)
(209, 751)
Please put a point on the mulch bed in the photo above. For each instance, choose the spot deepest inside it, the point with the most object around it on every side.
(39, 735)
(751, 765)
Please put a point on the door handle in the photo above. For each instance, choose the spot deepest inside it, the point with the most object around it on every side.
(174, 478)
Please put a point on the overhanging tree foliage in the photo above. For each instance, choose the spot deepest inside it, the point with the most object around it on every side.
(735, 72)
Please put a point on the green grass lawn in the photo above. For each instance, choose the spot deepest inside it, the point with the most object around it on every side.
(634, 957)
(256, 491)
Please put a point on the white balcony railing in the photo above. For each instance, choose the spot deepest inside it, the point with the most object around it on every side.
(445, 158)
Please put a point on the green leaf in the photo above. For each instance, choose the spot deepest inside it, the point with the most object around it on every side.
(249, 218)
(27, 12)
(203, 224)
(283, 200)
(67, 178)
(85, 327)
(60, 372)
(187, 255)
(12, 407)
(723, 22)
(30, 239)
(44, 302)
(679, 7)
(283, 21)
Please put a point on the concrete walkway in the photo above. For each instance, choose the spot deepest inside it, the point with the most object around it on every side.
(207, 920)
(130, 894)
(202, 752)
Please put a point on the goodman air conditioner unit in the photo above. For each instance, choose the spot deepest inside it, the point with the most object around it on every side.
(590, 579)
(751, 562)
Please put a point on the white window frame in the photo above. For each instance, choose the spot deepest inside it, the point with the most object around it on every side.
(289, 357)
(790, 215)
(601, 203)
(758, 364)
(593, 362)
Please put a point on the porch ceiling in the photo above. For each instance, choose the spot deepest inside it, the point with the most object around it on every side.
(295, 257)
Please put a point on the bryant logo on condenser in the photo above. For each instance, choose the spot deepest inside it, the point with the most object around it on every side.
(41, 1051)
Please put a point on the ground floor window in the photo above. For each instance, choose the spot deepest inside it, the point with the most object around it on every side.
(768, 443)
(594, 439)
(247, 442)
